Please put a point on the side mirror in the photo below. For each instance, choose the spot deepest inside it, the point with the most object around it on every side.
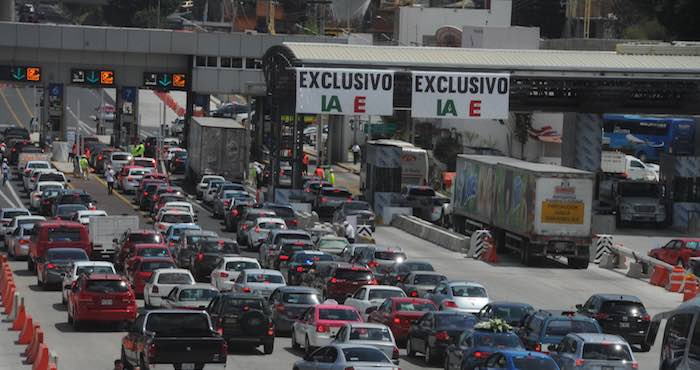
(579, 307)
(369, 310)
(552, 348)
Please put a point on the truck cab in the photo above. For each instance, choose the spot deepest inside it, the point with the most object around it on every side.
(639, 201)
(680, 346)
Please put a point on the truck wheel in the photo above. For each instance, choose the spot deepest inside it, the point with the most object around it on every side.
(525, 256)
(577, 263)
(268, 348)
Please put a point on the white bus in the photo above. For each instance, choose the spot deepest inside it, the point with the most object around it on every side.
(414, 163)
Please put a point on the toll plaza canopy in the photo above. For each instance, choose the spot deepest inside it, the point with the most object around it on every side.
(480, 83)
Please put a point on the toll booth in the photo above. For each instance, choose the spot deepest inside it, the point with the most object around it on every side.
(380, 175)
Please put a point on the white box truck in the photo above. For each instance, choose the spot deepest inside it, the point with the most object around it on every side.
(104, 229)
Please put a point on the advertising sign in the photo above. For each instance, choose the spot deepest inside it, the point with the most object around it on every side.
(460, 95)
(346, 92)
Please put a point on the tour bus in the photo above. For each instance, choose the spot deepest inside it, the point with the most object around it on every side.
(646, 137)
(414, 163)
(680, 346)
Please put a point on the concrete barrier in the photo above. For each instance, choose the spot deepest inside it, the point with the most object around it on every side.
(301, 207)
(389, 213)
(432, 233)
(60, 151)
(640, 266)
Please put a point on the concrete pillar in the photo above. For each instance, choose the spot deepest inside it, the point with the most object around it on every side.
(7, 10)
(582, 141)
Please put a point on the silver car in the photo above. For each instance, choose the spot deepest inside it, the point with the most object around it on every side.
(346, 356)
(259, 281)
(463, 296)
(17, 243)
(258, 232)
(591, 351)
(6, 216)
(369, 334)
(419, 283)
(118, 160)
(196, 297)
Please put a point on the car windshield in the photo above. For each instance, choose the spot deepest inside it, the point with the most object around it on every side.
(623, 307)
(560, 328)
(455, 322)
(606, 351)
(469, 291)
(241, 265)
(415, 306)
(376, 334)
(13, 214)
(282, 211)
(500, 341)
(353, 275)
(154, 265)
(218, 246)
(197, 294)
(235, 305)
(178, 230)
(416, 266)
(692, 245)
(153, 252)
(26, 222)
(300, 298)
(179, 218)
(271, 225)
(365, 355)
(337, 314)
(390, 255)
(145, 238)
(56, 255)
(94, 270)
(428, 279)
(534, 363)
(139, 172)
(107, 286)
(264, 278)
(64, 234)
(510, 313)
(179, 324)
(338, 245)
(385, 293)
(175, 278)
(38, 165)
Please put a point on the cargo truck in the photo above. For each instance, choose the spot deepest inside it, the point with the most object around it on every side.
(534, 209)
(104, 230)
(217, 146)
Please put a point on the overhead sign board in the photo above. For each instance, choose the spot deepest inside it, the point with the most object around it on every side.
(20, 73)
(347, 92)
(92, 77)
(460, 95)
(165, 81)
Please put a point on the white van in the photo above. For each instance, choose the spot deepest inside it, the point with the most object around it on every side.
(628, 166)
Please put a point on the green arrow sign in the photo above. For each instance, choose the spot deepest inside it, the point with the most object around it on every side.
(18, 74)
(93, 77)
(165, 80)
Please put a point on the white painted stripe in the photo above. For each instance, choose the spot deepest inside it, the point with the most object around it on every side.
(14, 195)
(9, 203)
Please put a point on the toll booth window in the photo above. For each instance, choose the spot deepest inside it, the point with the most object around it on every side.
(203, 61)
(252, 63)
(229, 62)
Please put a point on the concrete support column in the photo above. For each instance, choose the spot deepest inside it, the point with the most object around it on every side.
(125, 129)
(582, 141)
(7, 10)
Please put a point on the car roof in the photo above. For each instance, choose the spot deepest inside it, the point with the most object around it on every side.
(427, 273)
(29, 217)
(513, 353)
(462, 282)
(321, 306)
(347, 265)
(158, 259)
(597, 338)
(116, 277)
(64, 223)
(386, 287)
(149, 245)
(618, 297)
(271, 220)
(366, 325)
(239, 258)
(243, 296)
(65, 249)
(297, 289)
(93, 263)
(409, 299)
(262, 271)
(142, 231)
(197, 286)
(176, 271)
(386, 248)
(289, 231)
(3, 210)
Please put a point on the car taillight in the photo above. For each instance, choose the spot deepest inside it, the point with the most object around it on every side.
(449, 304)
(579, 362)
(538, 347)
(334, 280)
(395, 355)
(300, 269)
(373, 282)
(234, 212)
(223, 274)
(397, 320)
(324, 199)
(635, 365)
(283, 257)
(155, 289)
(293, 222)
(99, 157)
(481, 355)
(257, 229)
(200, 256)
(601, 316)
(442, 336)
(373, 264)
(279, 307)
(50, 266)
(307, 190)
(646, 317)
(23, 241)
(414, 294)
(320, 328)
(145, 193)
(152, 351)
(246, 290)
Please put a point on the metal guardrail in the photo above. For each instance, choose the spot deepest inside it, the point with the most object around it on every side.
(640, 265)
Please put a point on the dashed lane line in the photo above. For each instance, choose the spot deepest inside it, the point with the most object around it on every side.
(24, 102)
(14, 195)
(9, 107)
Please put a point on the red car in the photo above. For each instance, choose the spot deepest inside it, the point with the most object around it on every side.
(343, 279)
(141, 251)
(132, 237)
(57, 234)
(677, 251)
(142, 269)
(399, 313)
(103, 298)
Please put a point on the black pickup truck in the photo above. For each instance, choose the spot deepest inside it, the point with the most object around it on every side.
(182, 338)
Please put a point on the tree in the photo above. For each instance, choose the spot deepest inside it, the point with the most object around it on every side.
(138, 13)
(521, 130)
(548, 15)
(680, 18)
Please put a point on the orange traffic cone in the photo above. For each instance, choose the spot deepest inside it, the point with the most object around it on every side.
(18, 324)
(25, 336)
(489, 255)
(33, 349)
(691, 287)
(676, 281)
(42, 358)
(659, 277)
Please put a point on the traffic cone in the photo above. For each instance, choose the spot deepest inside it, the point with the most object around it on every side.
(8, 298)
(17, 300)
(18, 324)
(691, 287)
(659, 277)
(3, 260)
(490, 256)
(33, 349)
(675, 283)
(25, 336)
(41, 362)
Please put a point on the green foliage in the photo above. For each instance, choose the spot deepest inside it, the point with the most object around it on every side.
(658, 19)
(548, 15)
(646, 30)
(138, 13)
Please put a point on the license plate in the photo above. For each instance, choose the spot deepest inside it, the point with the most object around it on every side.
(187, 367)
(106, 302)
(624, 325)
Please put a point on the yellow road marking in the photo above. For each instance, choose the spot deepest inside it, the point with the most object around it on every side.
(24, 102)
(9, 107)
(119, 196)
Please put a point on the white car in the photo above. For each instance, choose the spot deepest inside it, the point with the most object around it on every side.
(6, 216)
(21, 220)
(189, 297)
(204, 182)
(317, 326)
(211, 190)
(84, 216)
(372, 296)
(171, 217)
(131, 181)
(26, 170)
(258, 233)
(177, 206)
(30, 180)
(17, 243)
(83, 267)
(42, 176)
(465, 296)
(259, 281)
(35, 196)
(228, 269)
(162, 281)
(369, 334)
(171, 152)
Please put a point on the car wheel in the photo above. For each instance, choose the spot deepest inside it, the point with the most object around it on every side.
(307, 346)
(409, 348)
(63, 298)
(268, 348)
(645, 347)
(446, 364)
(295, 345)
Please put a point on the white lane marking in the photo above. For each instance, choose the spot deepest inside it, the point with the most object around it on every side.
(82, 125)
(9, 203)
(14, 195)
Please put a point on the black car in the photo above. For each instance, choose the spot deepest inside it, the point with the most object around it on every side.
(230, 110)
(435, 331)
(399, 270)
(288, 303)
(178, 162)
(511, 312)
(51, 268)
(208, 252)
(361, 210)
(66, 211)
(288, 248)
(245, 319)
(187, 245)
(248, 220)
(622, 315)
(143, 198)
(283, 211)
(329, 199)
(233, 214)
(15, 133)
(75, 196)
(150, 147)
(46, 201)
(301, 262)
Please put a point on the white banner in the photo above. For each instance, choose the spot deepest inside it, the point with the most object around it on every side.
(460, 95)
(345, 92)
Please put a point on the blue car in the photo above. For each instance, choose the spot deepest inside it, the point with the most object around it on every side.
(474, 346)
(172, 234)
(519, 360)
(544, 328)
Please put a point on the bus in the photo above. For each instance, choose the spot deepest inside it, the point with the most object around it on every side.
(414, 163)
(646, 137)
(680, 339)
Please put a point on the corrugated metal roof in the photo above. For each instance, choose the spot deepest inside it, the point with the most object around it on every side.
(524, 165)
(566, 61)
(218, 122)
